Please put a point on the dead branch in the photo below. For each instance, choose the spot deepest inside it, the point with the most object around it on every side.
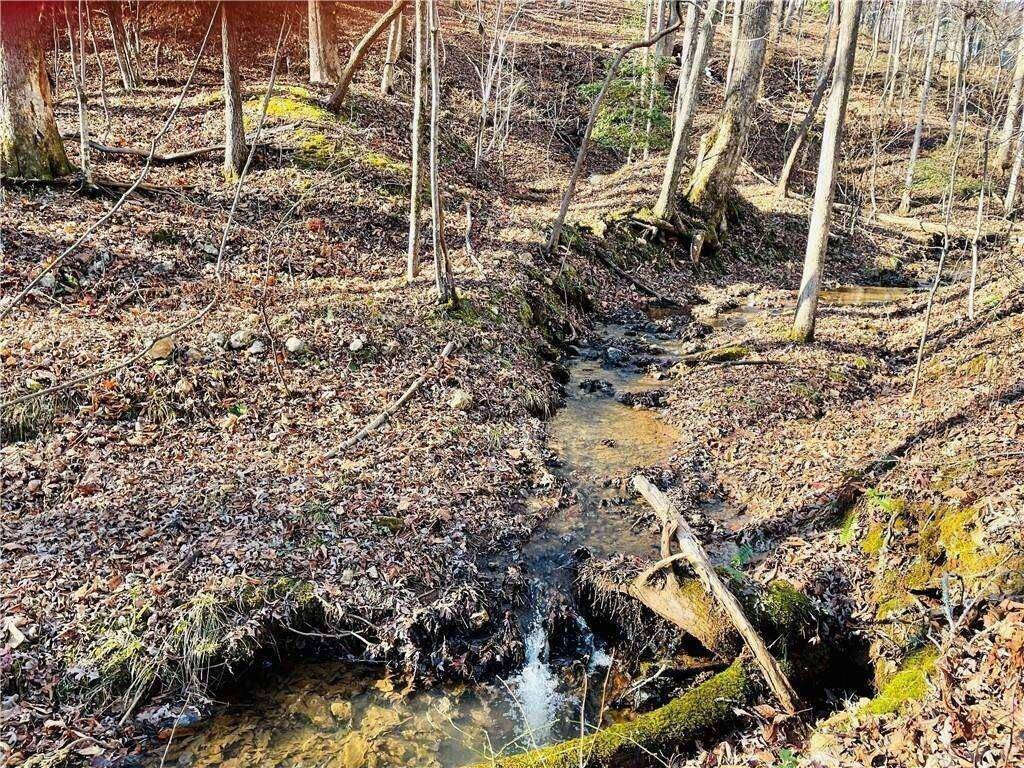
(359, 53)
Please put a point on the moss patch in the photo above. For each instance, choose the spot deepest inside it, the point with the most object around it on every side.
(909, 684)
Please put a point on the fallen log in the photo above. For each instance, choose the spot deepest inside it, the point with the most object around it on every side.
(703, 710)
(690, 547)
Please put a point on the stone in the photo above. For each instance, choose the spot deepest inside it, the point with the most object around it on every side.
(240, 339)
(47, 282)
(460, 400)
(162, 349)
(354, 752)
(616, 356)
(342, 710)
(257, 348)
(295, 345)
(356, 344)
(216, 339)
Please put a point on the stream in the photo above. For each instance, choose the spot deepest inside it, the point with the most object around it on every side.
(344, 715)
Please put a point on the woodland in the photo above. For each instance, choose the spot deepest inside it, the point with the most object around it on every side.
(512, 383)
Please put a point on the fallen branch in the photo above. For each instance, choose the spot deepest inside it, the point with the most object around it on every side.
(690, 547)
(639, 284)
(174, 157)
(386, 413)
(359, 53)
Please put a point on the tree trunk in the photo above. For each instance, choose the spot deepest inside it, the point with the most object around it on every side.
(122, 52)
(959, 85)
(926, 84)
(824, 190)
(234, 129)
(444, 280)
(722, 146)
(1010, 201)
(824, 77)
(734, 40)
(412, 267)
(30, 143)
(691, 75)
(1013, 104)
(324, 65)
(395, 38)
(77, 59)
(359, 53)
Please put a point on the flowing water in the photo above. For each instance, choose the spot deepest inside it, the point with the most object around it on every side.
(341, 715)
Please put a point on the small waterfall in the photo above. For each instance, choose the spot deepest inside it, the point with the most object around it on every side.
(536, 686)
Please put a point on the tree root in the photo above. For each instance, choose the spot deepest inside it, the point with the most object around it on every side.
(704, 709)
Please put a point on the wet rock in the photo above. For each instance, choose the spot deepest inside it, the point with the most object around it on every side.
(589, 354)
(295, 345)
(240, 339)
(591, 386)
(655, 398)
(314, 708)
(378, 721)
(616, 356)
(460, 400)
(355, 751)
(341, 711)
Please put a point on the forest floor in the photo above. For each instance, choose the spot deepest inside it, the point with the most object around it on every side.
(169, 524)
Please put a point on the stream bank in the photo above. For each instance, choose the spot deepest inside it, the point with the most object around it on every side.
(355, 714)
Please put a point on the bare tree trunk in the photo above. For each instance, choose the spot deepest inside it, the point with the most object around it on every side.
(721, 147)
(444, 280)
(78, 78)
(324, 65)
(978, 220)
(824, 78)
(734, 40)
(691, 76)
(395, 38)
(824, 189)
(1013, 104)
(102, 71)
(1010, 201)
(125, 64)
(412, 268)
(234, 128)
(30, 143)
(959, 85)
(895, 49)
(876, 30)
(922, 105)
(355, 59)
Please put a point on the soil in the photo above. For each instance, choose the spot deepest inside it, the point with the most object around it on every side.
(180, 524)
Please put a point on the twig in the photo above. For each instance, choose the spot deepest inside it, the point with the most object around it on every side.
(386, 413)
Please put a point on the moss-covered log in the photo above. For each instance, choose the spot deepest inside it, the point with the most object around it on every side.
(704, 709)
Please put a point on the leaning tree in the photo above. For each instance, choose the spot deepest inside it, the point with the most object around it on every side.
(30, 144)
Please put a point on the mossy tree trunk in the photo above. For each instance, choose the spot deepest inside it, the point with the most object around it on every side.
(234, 128)
(324, 64)
(824, 189)
(721, 147)
(30, 143)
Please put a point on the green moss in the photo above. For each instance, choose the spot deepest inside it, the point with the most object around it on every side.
(784, 606)
(909, 684)
(629, 105)
(848, 527)
(873, 540)
(296, 108)
(700, 710)
(718, 355)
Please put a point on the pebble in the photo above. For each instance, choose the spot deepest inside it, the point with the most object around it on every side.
(257, 348)
(240, 339)
(356, 344)
(216, 339)
(47, 282)
(460, 400)
(295, 345)
(162, 349)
